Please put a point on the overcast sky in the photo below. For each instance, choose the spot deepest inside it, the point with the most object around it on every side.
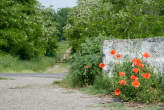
(58, 3)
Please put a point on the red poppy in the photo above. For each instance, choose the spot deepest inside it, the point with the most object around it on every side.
(146, 55)
(146, 75)
(137, 62)
(118, 56)
(112, 52)
(135, 83)
(122, 73)
(133, 60)
(117, 91)
(134, 77)
(122, 82)
(141, 65)
(87, 67)
(135, 70)
(102, 65)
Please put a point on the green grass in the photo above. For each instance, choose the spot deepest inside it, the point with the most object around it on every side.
(92, 90)
(6, 78)
(10, 64)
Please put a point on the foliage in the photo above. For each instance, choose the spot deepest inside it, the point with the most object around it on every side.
(85, 63)
(26, 31)
(61, 19)
(119, 18)
(104, 83)
(144, 86)
(50, 30)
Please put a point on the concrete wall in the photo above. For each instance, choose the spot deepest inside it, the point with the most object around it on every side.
(134, 48)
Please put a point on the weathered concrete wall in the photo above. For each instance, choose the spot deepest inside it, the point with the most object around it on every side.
(134, 48)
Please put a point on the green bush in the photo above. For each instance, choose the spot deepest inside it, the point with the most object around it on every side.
(144, 86)
(85, 62)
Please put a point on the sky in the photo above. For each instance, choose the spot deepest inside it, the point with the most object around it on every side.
(58, 3)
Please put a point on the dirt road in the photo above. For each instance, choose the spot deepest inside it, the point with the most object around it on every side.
(36, 92)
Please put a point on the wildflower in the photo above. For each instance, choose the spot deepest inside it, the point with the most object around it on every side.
(146, 55)
(102, 65)
(122, 73)
(134, 77)
(87, 67)
(141, 65)
(133, 60)
(118, 56)
(135, 70)
(122, 82)
(117, 91)
(135, 83)
(146, 75)
(137, 62)
(112, 52)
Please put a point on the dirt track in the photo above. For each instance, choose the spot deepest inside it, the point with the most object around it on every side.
(37, 93)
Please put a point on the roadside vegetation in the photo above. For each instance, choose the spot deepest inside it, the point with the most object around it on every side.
(10, 64)
(5, 78)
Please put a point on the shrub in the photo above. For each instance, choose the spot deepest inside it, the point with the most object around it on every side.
(136, 81)
(85, 62)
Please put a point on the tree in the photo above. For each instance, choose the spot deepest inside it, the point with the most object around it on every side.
(61, 19)
(23, 28)
(117, 18)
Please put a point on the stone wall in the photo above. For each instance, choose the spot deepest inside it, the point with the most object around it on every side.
(134, 48)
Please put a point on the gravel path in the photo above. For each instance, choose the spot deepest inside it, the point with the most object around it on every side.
(37, 93)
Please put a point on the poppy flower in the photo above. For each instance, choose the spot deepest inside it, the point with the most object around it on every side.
(146, 75)
(112, 52)
(133, 60)
(117, 91)
(146, 55)
(137, 62)
(122, 73)
(118, 56)
(135, 70)
(135, 83)
(122, 82)
(87, 67)
(102, 65)
(141, 65)
(134, 77)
